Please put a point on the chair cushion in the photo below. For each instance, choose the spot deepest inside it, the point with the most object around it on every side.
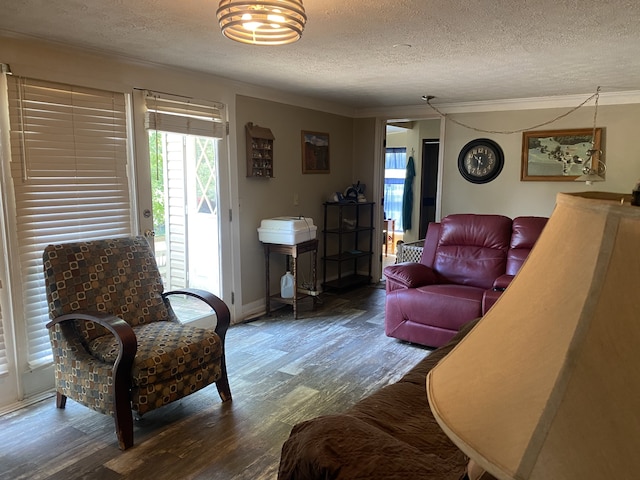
(125, 268)
(165, 349)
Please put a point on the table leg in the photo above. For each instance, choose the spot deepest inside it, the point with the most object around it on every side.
(266, 269)
(294, 264)
(314, 275)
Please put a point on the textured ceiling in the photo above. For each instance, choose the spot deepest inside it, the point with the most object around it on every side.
(371, 53)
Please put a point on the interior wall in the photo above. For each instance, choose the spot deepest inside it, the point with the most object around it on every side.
(509, 196)
(367, 156)
(353, 150)
(261, 198)
(364, 153)
(254, 199)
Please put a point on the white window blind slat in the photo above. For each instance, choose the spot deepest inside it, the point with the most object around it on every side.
(69, 171)
(182, 115)
(4, 363)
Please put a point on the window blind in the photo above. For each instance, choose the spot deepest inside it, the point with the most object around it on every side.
(168, 113)
(69, 176)
(4, 367)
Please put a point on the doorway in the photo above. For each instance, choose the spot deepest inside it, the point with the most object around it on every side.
(429, 183)
(180, 195)
(185, 214)
(420, 140)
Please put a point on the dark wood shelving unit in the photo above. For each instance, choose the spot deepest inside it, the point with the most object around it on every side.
(348, 244)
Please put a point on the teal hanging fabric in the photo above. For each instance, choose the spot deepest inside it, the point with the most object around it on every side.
(407, 196)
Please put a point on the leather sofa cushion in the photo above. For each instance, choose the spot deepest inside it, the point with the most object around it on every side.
(449, 306)
(472, 249)
(410, 274)
(525, 233)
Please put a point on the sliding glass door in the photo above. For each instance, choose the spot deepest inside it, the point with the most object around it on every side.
(179, 188)
(185, 209)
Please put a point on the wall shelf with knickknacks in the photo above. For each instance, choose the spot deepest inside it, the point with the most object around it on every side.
(259, 151)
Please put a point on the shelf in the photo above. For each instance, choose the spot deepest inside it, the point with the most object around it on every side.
(344, 231)
(259, 151)
(344, 256)
(289, 301)
(348, 244)
(349, 281)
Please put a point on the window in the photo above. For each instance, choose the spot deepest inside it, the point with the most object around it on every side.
(394, 174)
(68, 177)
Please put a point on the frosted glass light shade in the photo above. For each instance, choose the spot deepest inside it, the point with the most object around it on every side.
(268, 22)
(547, 385)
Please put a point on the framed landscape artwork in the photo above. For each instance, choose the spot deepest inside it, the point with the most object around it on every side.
(557, 155)
(315, 152)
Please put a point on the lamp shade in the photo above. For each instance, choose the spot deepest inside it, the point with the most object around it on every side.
(262, 22)
(547, 385)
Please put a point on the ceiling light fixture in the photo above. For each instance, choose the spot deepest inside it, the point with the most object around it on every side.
(275, 22)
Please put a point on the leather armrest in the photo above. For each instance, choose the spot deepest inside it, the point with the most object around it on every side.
(410, 274)
(502, 282)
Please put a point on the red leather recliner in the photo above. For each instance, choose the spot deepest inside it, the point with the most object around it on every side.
(467, 261)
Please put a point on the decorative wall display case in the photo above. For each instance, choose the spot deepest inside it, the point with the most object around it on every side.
(259, 151)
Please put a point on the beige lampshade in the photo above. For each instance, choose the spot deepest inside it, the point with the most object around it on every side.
(547, 385)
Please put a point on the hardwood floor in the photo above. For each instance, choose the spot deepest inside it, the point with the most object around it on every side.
(282, 371)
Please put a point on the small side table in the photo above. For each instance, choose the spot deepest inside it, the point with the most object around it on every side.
(294, 251)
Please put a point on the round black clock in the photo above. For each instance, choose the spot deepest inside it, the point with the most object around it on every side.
(480, 160)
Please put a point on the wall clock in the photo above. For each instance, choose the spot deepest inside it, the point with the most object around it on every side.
(480, 160)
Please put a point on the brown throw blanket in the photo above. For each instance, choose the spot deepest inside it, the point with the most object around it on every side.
(388, 435)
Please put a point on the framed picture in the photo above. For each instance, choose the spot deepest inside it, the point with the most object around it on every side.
(557, 155)
(315, 152)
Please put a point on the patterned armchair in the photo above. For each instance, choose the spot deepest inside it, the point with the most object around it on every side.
(117, 345)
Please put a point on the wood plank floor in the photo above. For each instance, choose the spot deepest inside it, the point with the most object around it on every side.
(282, 371)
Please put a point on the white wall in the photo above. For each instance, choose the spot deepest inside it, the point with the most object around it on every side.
(261, 198)
(508, 195)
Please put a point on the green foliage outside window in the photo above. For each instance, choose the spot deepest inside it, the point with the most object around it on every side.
(156, 158)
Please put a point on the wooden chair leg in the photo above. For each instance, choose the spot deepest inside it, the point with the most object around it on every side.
(122, 411)
(124, 430)
(223, 383)
(61, 400)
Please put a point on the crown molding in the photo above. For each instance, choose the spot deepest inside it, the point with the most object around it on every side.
(424, 112)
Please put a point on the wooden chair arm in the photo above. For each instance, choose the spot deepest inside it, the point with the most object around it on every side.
(128, 346)
(118, 327)
(217, 305)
